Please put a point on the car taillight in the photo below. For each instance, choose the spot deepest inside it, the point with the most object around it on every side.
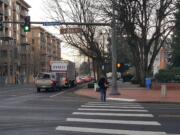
(53, 82)
(65, 81)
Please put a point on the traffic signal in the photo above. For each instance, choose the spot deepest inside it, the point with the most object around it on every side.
(120, 67)
(27, 24)
(1, 22)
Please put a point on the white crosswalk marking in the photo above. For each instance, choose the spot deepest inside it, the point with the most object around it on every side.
(115, 121)
(119, 113)
(91, 106)
(108, 131)
(115, 105)
(112, 110)
(114, 114)
(104, 103)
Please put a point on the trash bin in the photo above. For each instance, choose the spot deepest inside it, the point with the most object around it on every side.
(148, 83)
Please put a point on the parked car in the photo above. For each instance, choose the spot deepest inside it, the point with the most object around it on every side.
(79, 80)
(48, 81)
(87, 78)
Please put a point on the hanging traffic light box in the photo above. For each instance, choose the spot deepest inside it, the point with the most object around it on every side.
(27, 24)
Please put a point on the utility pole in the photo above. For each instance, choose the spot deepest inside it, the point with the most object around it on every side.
(114, 54)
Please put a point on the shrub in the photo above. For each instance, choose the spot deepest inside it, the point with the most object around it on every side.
(169, 75)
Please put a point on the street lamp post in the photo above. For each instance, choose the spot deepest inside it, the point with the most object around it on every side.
(114, 90)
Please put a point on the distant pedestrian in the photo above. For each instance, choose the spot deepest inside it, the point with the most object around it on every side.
(103, 85)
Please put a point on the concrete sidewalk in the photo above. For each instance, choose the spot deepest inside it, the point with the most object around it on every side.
(134, 93)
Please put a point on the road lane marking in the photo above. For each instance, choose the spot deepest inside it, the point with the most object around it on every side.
(56, 94)
(114, 114)
(93, 106)
(112, 110)
(152, 123)
(107, 131)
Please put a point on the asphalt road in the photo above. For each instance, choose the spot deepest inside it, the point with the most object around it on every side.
(23, 111)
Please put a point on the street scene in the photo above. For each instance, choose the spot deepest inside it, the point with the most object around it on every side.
(24, 111)
(89, 67)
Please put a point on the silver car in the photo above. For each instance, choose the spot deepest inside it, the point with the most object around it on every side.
(48, 81)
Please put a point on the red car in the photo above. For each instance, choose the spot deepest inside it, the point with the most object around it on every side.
(79, 80)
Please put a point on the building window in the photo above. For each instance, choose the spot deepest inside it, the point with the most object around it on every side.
(17, 7)
(17, 37)
(33, 41)
(17, 17)
(10, 33)
(17, 26)
(9, 12)
(4, 54)
(10, 3)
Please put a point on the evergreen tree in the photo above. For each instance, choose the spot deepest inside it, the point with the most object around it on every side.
(176, 40)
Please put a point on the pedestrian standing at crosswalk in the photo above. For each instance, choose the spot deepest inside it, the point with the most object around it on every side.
(103, 85)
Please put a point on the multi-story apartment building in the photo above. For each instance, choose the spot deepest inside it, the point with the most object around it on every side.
(45, 48)
(13, 42)
(20, 57)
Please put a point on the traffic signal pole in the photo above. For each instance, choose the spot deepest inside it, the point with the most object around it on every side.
(114, 90)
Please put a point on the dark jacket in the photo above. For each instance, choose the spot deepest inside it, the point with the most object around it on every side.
(102, 83)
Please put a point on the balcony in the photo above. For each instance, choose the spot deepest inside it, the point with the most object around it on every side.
(24, 43)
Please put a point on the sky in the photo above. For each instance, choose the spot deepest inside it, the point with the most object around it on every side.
(37, 14)
(35, 11)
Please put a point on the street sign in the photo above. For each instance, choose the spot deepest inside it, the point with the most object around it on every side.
(51, 23)
(70, 30)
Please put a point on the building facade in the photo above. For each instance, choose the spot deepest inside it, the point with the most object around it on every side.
(23, 55)
(45, 48)
(12, 41)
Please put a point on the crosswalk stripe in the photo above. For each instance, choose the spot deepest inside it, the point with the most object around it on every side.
(107, 131)
(112, 110)
(122, 99)
(91, 106)
(113, 103)
(153, 123)
(114, 114)
(136, 105)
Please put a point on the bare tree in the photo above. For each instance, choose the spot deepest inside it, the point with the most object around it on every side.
(146, 24)
(82, 11)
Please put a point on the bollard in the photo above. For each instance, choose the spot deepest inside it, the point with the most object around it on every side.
(163, 90)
